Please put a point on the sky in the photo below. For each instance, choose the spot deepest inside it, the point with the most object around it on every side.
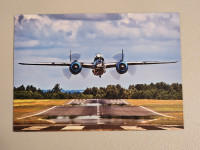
(142, 36)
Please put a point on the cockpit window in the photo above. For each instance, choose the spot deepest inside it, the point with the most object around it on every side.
(98, 57)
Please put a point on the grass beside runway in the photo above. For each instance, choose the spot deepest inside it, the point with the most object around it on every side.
(172, 108)
(27, 107)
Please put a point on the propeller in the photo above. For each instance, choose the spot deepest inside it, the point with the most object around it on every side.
(74, 56)
(119, 57)
(66, 72)
(132, 70)
(85, 72)
(114, 74)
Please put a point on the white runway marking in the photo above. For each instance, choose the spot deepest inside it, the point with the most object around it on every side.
(71, 101)
(35, 128)
(73, 128)
(81, 127)
(132, 128)
(155, 112)
(169, 128)
(37, 113)
(124, 101)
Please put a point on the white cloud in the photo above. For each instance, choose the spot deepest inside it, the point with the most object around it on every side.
(30, 43)
(160, 32)
(48, 32)
(155, 25)
(91, 35)
(114, 32)
(67, 26)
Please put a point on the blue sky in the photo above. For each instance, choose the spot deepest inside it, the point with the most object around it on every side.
(49, 38)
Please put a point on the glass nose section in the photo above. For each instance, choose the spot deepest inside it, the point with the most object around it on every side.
(99, 61)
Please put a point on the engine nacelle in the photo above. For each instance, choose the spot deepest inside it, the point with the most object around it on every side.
(75, 67)
(122, 67)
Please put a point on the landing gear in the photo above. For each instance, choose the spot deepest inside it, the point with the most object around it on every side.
(99, 76)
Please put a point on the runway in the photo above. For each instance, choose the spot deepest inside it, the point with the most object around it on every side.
(96, 114)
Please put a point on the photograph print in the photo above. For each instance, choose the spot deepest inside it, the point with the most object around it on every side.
(97, 72)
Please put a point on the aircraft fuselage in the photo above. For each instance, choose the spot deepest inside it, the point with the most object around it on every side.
(98, 65)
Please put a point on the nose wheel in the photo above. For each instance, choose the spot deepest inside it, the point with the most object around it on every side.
(99, 76)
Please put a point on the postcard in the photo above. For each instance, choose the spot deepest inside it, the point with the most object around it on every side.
(97, 72)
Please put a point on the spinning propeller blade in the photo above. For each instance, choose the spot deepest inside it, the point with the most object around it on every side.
(74, 56)
(85, 72)
(115, 74)
(118, 56)
(132, 70)
(66, 72)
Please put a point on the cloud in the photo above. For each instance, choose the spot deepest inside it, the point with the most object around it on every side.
(49, 33)
(91, 35)
(30, 43)
(72, 30)
(114, 32)
(156, 26)
(21, 17)
(85, 17)
(49, 38)
(67, 27)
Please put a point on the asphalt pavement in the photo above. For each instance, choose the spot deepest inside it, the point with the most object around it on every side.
(96, 114)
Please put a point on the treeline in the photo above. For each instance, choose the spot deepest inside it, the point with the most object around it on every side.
(31, 92)
(159, 90)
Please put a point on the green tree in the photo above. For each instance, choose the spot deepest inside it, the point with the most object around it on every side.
(139, 87)
(56, 88)
(21, 88)
(111, 92)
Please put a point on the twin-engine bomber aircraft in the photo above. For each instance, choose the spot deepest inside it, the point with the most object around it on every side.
(99, 66)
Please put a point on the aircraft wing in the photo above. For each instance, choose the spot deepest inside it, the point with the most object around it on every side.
(47, 64)
(113, 64)
(150, 62)
(87, 65)
(84, 65)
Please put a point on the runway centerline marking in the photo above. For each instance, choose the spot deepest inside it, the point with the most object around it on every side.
(98, 112)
